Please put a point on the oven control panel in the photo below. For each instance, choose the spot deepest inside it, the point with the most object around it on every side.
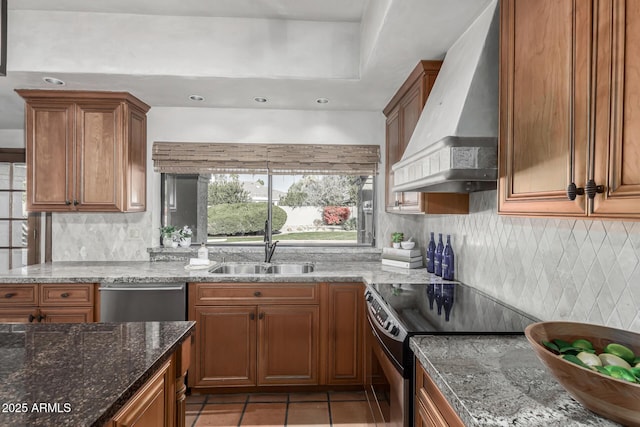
(379, 313)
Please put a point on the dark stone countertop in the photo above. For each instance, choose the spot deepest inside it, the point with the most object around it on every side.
(493, 380)
(78, 374)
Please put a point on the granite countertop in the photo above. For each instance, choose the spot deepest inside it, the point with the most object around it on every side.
(173, 271)
(79, 374)
(494, 380)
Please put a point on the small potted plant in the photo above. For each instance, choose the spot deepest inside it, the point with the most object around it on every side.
(167, 233)
(396, 238)
(185, 234)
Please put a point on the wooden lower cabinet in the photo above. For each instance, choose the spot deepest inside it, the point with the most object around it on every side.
(225, 352)
(241, 343)
(151, 406)
(288, 338)
(160, 402)
(303, 334)
(344, 304)
(431, 407)
(48, 303)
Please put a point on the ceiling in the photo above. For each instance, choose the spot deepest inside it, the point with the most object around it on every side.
(355, 53)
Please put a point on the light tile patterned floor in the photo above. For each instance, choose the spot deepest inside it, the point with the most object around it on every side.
(279, 409)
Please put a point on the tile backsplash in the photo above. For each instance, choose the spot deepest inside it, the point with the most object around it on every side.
(101, 237)
(554, 269)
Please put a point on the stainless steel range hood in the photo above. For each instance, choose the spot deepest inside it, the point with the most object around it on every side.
(454, 147)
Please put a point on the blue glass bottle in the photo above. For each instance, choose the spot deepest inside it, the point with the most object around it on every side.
(448, 260)
(431, 254)
(437, 264)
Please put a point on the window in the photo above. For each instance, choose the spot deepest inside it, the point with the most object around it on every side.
(306, 209)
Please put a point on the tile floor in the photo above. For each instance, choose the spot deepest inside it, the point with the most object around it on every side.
(338, 409)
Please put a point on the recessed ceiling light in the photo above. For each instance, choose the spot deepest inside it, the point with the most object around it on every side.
(196, 98)
(53, 81)
(260, 99)
(322, 100)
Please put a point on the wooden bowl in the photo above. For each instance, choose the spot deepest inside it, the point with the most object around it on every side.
(615, 399)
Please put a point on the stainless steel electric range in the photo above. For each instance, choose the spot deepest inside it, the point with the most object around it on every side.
(396, 312)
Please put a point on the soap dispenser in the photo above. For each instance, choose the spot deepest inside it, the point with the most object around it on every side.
(203, 252)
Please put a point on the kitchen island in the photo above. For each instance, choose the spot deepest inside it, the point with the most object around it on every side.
(492, 380)
(91, 374)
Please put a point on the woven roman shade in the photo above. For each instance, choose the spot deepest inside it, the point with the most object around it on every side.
(278, 159)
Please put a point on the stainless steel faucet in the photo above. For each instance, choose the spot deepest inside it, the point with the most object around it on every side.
(269, 246)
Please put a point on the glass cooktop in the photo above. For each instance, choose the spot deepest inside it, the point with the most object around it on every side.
(446, 307)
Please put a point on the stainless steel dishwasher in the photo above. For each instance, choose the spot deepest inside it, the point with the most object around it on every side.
(142, 302)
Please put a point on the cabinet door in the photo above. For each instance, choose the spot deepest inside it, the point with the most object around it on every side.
(98, 156)
(544, 102)
(410, 109)
(617, 145)
(49, 150)
(345, 358)
(135, 196)
(152, 405)
(67, 315)
(393, 155)
(288, 344)
(225, 353)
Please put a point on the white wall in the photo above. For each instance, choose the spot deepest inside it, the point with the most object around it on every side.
(11, 138)
(127, 236)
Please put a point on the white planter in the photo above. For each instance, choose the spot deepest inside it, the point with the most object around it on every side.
(185, 242)
(167, 241)
(396, 245)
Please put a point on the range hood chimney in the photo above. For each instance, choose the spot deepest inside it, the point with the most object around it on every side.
(454, 147)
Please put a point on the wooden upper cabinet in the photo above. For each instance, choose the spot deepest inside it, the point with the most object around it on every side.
(86, 151)
(403, 112)
(617, 118)
(544, 105)
(569, 110)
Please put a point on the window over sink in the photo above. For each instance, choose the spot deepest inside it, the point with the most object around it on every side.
(307, 209)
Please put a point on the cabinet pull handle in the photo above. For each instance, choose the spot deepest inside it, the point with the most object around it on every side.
(252, 316)
(76, 203)
(9, 295)
(41, 317)
(591, 189)
(261, 316)
(67, 202)
(31, 318)
(65, 295)
(257, 294)
(573, 191)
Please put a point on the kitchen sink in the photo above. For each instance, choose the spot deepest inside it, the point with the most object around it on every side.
(290, 268)
(262, 268)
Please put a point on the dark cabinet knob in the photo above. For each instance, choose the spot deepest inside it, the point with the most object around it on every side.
(573, 191)
(76, 203)
(31, 318)
(10, 295)
(67, 202)
(257, 294)
(65, 295)
(41, 317)
(252, 316)
(261, 316)
(592, 189)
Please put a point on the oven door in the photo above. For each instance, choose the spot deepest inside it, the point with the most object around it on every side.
(387, 391)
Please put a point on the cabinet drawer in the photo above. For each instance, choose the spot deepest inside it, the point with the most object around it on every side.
(251, 293)
(18, 295)
(66, 294)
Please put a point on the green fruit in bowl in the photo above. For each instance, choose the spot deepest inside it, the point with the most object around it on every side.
(620, 373)
(582, 343)
(621, 351)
